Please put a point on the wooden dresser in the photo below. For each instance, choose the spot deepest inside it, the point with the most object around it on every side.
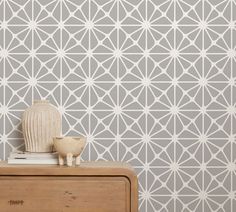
(92, 187)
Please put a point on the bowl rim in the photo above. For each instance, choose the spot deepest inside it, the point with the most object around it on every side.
(62, 137)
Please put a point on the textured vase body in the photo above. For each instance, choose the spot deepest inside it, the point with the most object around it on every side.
(40, 123)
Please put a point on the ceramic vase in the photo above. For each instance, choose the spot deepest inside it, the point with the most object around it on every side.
(40, 123)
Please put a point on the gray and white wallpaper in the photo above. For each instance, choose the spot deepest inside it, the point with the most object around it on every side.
(149, 82)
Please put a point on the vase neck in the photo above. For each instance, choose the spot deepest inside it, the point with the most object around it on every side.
(41, 101)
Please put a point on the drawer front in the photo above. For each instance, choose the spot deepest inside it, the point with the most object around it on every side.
(64, 194)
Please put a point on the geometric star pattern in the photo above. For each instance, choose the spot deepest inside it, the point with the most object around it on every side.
(149, 82)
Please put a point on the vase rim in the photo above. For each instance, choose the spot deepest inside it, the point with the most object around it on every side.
(41, 101)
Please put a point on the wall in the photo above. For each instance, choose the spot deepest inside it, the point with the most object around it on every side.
(150, 82)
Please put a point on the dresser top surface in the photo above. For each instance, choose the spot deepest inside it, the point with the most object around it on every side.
(86, 168)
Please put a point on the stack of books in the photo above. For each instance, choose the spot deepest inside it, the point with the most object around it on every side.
(33, 158)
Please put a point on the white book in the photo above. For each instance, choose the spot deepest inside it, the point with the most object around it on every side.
(28, 155)
(52, 161)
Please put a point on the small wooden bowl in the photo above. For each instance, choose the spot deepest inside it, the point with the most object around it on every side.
(69, 147)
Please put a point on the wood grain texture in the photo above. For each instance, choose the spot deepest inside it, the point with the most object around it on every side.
(95, 186)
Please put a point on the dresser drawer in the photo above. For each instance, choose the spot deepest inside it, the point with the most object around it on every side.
(93, 187)
(53, 194)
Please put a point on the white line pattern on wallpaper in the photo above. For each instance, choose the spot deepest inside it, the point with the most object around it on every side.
(150, 82)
